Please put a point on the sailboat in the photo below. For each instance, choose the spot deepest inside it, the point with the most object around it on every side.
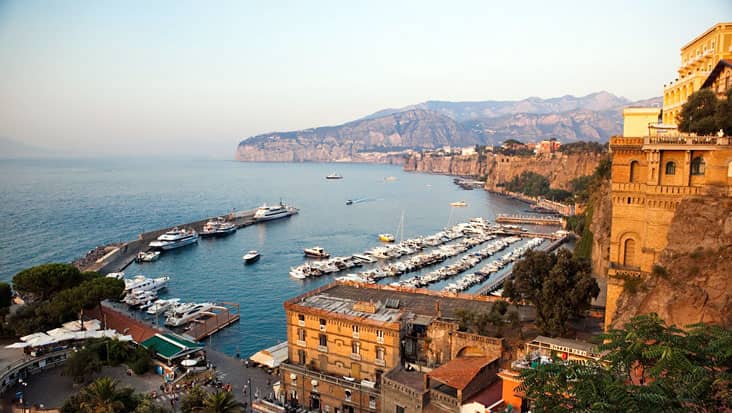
(386, 237)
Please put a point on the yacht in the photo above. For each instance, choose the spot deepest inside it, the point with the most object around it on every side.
(218, 227)
(334, 176)
(268, 212)
(161, 305)
(316, 252)
(147, 256)
(386, 237)
(175, 238)
(298, 273)
(251, 256)
(138, 297)
(178, 319)
(142, 283)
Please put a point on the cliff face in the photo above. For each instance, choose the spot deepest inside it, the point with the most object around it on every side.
(468, 165)
(560, 169)
(697, 284)
(602, 213)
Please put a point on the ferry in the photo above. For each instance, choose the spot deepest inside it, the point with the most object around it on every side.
(316, 252)
(178, 319)
(386, 237)
(269, 212)
(218, 227)
(334, 176)
(251, 256)
(175, 238)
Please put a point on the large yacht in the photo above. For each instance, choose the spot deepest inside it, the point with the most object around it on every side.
(268, 212)
(218, 227)
(179, 318)
(175, 238)
(142, 283)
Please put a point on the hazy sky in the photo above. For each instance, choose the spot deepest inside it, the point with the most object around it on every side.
(193, 78)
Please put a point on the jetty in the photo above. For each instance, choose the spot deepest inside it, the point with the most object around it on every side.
(222, 316)
(529, 219)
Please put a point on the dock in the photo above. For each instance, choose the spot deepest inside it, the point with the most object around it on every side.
(223, 316)
(529, 219)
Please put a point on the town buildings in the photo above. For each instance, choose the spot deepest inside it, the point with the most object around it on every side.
(698, 58)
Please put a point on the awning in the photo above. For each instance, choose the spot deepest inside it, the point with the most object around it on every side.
(170, 347)
(271, 357)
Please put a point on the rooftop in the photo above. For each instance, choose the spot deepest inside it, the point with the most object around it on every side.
(564, 342)
(169, 346)
(458, 373)
(345, 306)
(411, 378)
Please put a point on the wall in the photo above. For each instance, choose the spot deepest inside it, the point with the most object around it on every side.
(394, 393)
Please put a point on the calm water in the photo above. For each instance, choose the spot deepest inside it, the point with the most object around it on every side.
(56, 210)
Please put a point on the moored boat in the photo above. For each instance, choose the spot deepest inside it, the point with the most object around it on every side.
(217, 227)
(316, 252)
(386, 237)
(179, 318)
(175, 238)
(147, 256)
(269, 212)
(459, 204)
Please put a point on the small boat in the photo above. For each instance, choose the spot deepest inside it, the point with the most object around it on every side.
(334, 176)
(390, 179)
(349, 202)
(386, 237)
(147, 256)
(459, 204)
(316, 252)
(251, 256)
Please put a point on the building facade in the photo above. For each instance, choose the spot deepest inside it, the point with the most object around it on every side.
(698, 58)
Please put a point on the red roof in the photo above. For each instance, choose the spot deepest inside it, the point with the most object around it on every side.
(122, 323)
(460, 372)
(490, 395)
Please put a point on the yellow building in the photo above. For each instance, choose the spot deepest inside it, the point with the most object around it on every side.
(698, 58)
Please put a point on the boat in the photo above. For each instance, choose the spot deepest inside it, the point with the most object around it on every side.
(218, 227)
(349, 202)
(116, 275)
(316, 252)
(459, 204)
(142, 283)
(147, 256)
(390, 179)
(139, 297)
(334, 176)
(177, 319)
(251, 256)
(298, 273)
(175, 238)
(386, 237)
(269, 212)
(161, 305)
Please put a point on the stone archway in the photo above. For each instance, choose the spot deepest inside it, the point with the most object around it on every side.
(471, 351)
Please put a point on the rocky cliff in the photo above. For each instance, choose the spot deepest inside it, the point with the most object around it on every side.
(459, 165)
(358, 141)
(599, 225)
(560, 168)
(695, 281)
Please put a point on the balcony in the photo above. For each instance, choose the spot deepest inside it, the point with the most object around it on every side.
(323, 349)
(322, 327)
(380, 362)
(301, 323)
(620, 270)
(685, 142)
(327, 378)
(355, 334)
(380, 340)
(622, 141)
(301, 343)
(355, 356)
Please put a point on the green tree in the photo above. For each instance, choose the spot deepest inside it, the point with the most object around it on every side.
(6, 295)
(193, 401)
(647, 366)
(560, 287)
(102, 396)
(42, 281)
(222, 402)
(82, 364)
(147, 405)
(698, 113)
(723, 117)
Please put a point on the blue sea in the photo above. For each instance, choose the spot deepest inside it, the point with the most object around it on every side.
(57, 210)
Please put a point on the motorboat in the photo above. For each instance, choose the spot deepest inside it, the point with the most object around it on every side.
(251, 256)
(175, 238)
(349, 202)
(334, 176)
(298, 273)
(316, 252)
(142, 283)
(390, 179)
(162, 305)
(139, 297)
(178, 319)
(269, 212)
(116, 275)
(218, 227)
(386, 237)
(459, 204)
(147, 256)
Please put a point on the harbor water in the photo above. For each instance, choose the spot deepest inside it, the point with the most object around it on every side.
(56, 210)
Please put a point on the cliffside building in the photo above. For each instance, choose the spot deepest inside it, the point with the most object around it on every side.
(358, 348)
(698, 58)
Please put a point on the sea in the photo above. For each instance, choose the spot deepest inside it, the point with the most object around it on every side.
(56, 210)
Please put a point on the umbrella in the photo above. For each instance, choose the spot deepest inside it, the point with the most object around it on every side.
(189, 362)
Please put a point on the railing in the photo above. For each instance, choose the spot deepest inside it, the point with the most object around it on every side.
(354, 385)
(301, 343)
(686, 140)
(451, 402)
(380, 362)
(655, 189)
(9, 377)
(323, 349)
(355, 356)
(622, 141)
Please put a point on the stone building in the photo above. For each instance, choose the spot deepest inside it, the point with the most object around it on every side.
(698, 58)
(369, 348)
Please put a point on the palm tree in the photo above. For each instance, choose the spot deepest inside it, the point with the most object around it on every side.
(101, 396)
(222, 402)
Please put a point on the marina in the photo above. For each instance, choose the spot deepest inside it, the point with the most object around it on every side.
(530, 219)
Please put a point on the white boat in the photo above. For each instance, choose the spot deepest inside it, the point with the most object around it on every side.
(334, 176)
(116, 275)
(316, 252)
(142, 283)
(178, 319)
(251, 256)
(148, 256)
(298, 273)
(459, 204)
(269, 212)
(161, 305)
(218, 227)
(175, 238)
(139, 297)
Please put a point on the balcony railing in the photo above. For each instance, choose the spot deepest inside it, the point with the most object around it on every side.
(355, 356)
(327, 378)
(323, 349)
(355, 334)
(380, 339)
(687, 140)
(440, 397)
(301, 343)
(380, 362)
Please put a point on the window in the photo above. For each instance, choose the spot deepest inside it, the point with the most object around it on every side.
(355, 331)
(379, 336)
(348, 395)
(399, 409)
(634, 171)
(323, 340)
(372, 402)
(300, 317)
(380, 353)
(301, 334)
(301, 356)
(629, 256)
(322, 324)
(698, 166)
(356, 347)
(670, 168)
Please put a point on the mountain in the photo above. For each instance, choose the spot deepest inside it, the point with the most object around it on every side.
(410, 129)
(433, 124)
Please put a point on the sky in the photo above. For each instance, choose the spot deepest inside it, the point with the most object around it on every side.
(193, 78)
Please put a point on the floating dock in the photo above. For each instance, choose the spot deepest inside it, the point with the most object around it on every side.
(529, 219)
(221, 317)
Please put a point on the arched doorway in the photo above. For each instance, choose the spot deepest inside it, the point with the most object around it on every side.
(634, 171)
(471, 351)
(629, 253)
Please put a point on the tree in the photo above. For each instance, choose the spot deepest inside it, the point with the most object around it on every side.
(101, 396)
(193, 401)
(6, 295)
(42, 281)
(147, 405)
(723, 117)
(82, 364)
(698, 113)
(560, 287)
(648, 366)
(222, 402)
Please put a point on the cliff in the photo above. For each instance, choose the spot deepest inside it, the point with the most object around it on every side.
(560, 168)
(695, 281)
(467, 165)
(600, 214)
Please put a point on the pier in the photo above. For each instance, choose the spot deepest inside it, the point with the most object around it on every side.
(529, 219)
(223, 316)
(117, 257)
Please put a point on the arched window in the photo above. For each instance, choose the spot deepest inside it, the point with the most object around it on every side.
(729, 170)
(629, 253)
(670, 168)
(698, 166)
(634, 171)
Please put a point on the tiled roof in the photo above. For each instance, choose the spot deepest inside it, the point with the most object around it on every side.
(169, 346)
(124, 324)
(458, 373)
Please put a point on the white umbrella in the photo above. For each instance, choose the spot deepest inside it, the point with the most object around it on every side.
(189, 362)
